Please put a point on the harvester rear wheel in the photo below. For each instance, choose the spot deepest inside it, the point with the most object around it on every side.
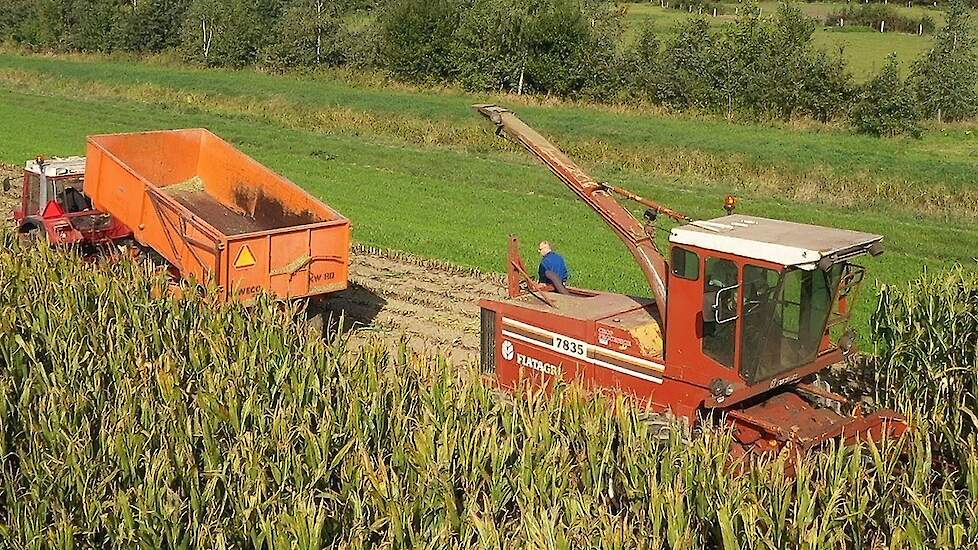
(661, 425)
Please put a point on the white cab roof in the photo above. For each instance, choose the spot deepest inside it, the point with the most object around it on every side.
(775, 241)
(53, 167)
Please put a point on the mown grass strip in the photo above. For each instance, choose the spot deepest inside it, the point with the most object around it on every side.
(818, 167)
(450, 204)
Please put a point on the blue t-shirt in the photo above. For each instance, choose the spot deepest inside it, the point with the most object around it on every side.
(553, 262)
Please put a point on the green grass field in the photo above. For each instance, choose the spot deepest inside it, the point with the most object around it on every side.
(863, 49)
(419, 171)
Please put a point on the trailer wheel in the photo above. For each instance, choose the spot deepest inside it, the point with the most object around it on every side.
(32, 233)
(316, 322)
(319, 317)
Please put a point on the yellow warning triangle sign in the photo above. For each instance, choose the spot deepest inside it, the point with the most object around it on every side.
(245, 258)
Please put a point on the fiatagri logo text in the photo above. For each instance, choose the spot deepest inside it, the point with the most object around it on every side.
(509, 352)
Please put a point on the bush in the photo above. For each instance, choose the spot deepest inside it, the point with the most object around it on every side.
(885, 106)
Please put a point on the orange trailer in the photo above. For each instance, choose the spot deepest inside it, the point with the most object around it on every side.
(218, 215)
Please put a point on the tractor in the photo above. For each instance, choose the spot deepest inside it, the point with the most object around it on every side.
(54, 206)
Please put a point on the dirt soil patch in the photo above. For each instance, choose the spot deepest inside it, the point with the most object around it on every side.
(434, 305)
(9, 191)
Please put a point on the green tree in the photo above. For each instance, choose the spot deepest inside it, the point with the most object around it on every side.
(886, 106)
(222, 32)
(54, 24)
(153, 25)
(800, 77)
(18, 21)
(417, 38)
(563, 47)
(945, 78)
(756, 67)
(692, 75)
(642, 69)
(827, 90)
(98, 25)
(307, 34)
(746, 57)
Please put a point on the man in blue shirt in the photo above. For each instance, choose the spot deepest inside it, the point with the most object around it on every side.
(553, 269)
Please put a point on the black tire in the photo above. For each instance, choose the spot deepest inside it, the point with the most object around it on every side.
(32, 233)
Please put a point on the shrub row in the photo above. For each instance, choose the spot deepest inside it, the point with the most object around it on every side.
(754, 67)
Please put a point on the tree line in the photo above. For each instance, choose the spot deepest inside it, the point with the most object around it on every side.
(754, 67)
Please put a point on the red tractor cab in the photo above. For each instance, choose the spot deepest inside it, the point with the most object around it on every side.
(54, 206)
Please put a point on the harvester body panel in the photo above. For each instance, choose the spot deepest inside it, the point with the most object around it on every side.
(217, 215)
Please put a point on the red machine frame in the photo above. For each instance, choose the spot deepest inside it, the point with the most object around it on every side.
(608, 340)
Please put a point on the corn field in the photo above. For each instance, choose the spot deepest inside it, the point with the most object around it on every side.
(926, 356)
(128, 421)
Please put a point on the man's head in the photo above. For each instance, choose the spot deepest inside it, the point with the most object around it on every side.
(544, 248)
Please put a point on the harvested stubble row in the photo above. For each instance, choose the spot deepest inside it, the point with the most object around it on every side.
(127, 421)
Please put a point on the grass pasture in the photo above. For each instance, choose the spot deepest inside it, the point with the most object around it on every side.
(863, 49)
(419, 171)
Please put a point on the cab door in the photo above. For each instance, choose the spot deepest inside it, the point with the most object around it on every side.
(721, 311)
(703, 317)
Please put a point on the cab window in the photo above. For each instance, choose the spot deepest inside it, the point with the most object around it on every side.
(761, 311)
(720, 299)
(685, 264)
(70, 193)
(33, 194)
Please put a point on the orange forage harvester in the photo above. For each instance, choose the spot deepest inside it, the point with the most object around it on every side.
(739, 324)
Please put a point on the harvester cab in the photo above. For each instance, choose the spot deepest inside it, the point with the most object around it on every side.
(742, 317)
(54, 205)
(759, 299)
